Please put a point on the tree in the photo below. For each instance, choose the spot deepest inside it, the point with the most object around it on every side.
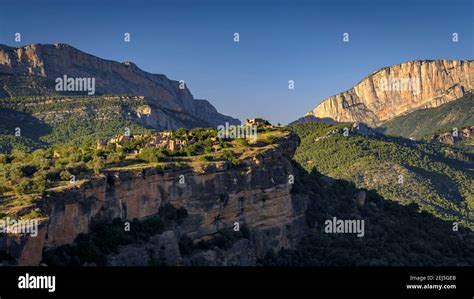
(22, 186)
(19, 154)
(231, 157)
(65, 175)
(151, 155)
(97, 164)
(40, 181)
(181, 132)
(3, 159)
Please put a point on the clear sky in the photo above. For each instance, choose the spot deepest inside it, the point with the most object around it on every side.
(284, 40)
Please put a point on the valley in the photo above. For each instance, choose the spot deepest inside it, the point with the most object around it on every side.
(143, 174)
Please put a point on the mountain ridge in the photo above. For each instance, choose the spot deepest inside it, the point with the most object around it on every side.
(34, 67)
(373, 102)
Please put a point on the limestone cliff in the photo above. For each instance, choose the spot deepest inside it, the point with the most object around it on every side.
(33, 69)
(215, 196)
(399, 89)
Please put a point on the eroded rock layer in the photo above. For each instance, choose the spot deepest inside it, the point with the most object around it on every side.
(215, 196)
(399, 89)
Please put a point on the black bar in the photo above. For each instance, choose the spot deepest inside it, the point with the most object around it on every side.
(159, 282)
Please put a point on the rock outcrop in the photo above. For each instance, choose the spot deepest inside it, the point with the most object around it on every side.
(399, 89)
(33, 69)
(215, 196)
(465, 135)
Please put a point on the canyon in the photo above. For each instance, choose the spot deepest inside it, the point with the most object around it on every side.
(211, 208)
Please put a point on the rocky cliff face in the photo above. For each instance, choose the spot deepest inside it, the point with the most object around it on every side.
(216, 196)
(33, 69)
(399, 89)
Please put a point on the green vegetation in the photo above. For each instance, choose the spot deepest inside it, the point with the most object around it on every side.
(58, 119)
(439, 178)
(24, 176)
(27, 175)
(27, 172)
(231, 157)
(395, 235)
(417, 124)
(152, 155)
(9, 142)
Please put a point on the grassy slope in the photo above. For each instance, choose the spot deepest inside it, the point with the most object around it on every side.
(64, 119)
(455, 114)
(438, 178)
(395, 235)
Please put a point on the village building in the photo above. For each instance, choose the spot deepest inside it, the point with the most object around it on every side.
(257, 122)
(102, 144)
(158, 140)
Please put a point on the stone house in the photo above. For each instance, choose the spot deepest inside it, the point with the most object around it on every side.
(102, 144)
(257, 122)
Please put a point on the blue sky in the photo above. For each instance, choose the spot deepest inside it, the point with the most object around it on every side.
(283, 40)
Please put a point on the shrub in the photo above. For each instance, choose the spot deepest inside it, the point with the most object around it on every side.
(181, 132)
(33, 214)
(65, 175)
(270, 139)
(205, 158)
(19, 154)
(115, 157)
(97, 164)
(231, 157)
(208, 149)
(40, 181)
(3, 159)
(192, 150)
(242, 142)
(22, 186)
(151, 155)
